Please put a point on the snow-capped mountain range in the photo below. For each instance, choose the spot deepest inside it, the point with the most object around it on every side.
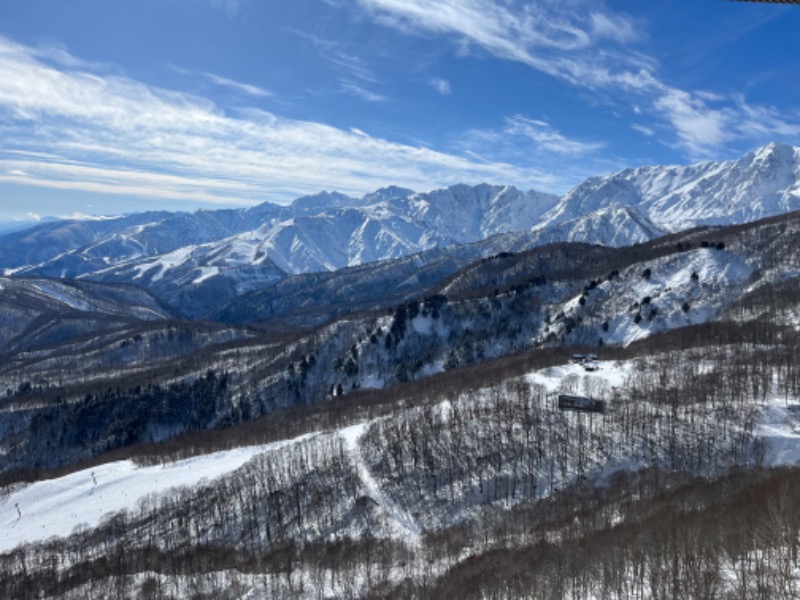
(760, 184)
(318, 233)
(225, 253)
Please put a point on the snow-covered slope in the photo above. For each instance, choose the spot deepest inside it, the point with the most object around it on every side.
(90, 497)
(323, 232)
(675, 291)
(762, 183)
(56, 507)
(608, 226)
(35, 311)
(386, 224)
(466, 214)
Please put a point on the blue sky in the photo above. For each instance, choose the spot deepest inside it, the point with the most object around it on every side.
(110, 107)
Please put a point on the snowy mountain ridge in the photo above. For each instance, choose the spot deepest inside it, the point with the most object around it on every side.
(200, 261)
(762, 183)
(324, 232)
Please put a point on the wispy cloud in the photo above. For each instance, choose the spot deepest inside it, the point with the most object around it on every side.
(523, 140)
(643, 129)
(237, 86)
(547, 138)
(441, 85)
(698, 126)
(338, 55)
(583, 43)
(525, 32)
(52, 51)
(67, 128)
(348, 87)
(765, 121)
(247, 88)
(604, 25)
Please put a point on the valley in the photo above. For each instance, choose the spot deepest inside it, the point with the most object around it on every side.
(358, 397)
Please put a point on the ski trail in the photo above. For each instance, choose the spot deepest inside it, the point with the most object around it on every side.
(55, 507)
(402, 521)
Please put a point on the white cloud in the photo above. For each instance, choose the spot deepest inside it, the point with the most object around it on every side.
(574, 41)
(531, 32)
(348, 87)
(441, 85)
(548, 138)
(79, 216)
(523, 140)
(336, 54)
(643, 129)
(760, 121)
(613, 27)
(69, 129)
(247, 88)
(54, 52)
(698, 127)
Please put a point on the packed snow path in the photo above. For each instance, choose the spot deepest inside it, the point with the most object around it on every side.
(406, 526)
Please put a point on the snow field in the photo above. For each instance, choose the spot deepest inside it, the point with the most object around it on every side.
(56, 507)
(164, 263)
(720, 274)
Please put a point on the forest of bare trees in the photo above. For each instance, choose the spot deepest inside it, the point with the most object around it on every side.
(502, 494)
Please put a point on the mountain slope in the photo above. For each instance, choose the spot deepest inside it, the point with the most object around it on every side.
(499, 307)
(411, 442)
(36, 311)
(399, 504)
(762, 183)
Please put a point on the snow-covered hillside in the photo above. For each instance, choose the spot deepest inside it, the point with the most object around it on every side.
(614, 226)
(37, 311)
(430, 486)
(327, 237)
(422, 443)
(682, 289)
(500, 306)
(56, 507)
(90, 497)
(200, 261)
(762, 183)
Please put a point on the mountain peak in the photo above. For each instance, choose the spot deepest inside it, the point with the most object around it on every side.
(775, 151)
(391, 192)
(760, 184)
(323, 200)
